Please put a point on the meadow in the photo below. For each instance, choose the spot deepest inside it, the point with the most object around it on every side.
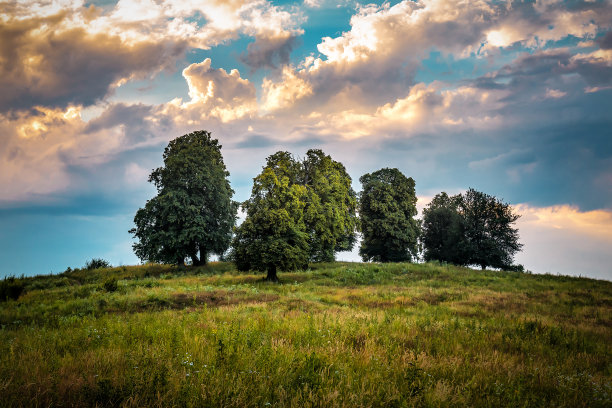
(336, 335)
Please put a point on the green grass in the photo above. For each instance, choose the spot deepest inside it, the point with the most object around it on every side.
(341, 334)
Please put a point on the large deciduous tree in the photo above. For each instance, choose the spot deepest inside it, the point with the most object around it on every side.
(330, 214)
(273, 235)
(299, 211)
(491, 239)
(470, 229)
(443, 230)
(192, 214)
(387, 208)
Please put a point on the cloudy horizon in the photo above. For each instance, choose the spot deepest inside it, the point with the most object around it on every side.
(509, 98)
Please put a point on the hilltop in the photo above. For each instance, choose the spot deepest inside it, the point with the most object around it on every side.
(338, 334)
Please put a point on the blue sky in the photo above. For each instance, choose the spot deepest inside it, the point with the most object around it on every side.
(511, 98)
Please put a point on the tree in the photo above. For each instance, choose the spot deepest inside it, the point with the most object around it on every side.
(192, 214)
(331, 203)
(97, 263)
(273, 235)
(387, 208)
(299, 211)
(491, 239)
(470, 229)
(443, 230)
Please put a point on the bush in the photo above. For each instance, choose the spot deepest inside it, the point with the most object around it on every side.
(10, 288)
(110, 285)
(97, 263)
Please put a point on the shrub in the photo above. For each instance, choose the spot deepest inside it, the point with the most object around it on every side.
(110, 285)
(10, 288)
(97, 263)
(515, 268)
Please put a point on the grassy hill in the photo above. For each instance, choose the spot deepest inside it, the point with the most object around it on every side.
(342, 334)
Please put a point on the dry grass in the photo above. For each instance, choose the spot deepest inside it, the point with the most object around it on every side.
(338, 335)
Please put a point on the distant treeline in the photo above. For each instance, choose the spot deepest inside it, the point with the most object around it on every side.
(303, 211)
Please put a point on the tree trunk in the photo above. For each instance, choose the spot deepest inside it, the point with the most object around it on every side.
(194, 260)
(271, 277)
(483, 267)
(203, 257)
(180, 262)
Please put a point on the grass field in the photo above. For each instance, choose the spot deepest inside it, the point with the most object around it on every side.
(342, 334)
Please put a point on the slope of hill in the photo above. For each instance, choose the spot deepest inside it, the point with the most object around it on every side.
(342, 334)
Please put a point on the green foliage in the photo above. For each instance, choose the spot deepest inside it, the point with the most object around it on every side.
(11, 288)
(192, 214)
(491, 239)
(330, 213)
(110, 285)
(96, 263)
(298, 211)
(443, 231)
(273, 234)
(387, 208)
(470, 229)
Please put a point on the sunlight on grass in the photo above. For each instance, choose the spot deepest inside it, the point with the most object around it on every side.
(340, 334)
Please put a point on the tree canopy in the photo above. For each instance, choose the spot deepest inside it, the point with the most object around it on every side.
(491, 239)
(331, 203)
(387, 208)
(470, 229)
(299, 211)
(273, 235)
(443, 230)
(192, 214)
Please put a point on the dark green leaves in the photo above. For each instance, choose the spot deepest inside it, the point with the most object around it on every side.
(192, 214)
(470, 229)
(387, 210)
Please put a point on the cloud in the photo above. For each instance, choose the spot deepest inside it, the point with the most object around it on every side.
(45, 64)
(563, 239)
(605, 42)
(284, 93)
(214, 93)
(38, 147)
(135, 175)
(555, 93)
(551, 73)
(62, 53)
(269, 52)
(379, 56)
(361, 87)
(255, 141)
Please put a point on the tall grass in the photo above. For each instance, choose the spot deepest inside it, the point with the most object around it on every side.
(340, 334)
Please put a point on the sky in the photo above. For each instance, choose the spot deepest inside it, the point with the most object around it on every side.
(510, 98)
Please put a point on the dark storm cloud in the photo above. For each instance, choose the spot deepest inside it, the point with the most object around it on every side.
(255, 142)
(560, 125)
(133, 118)
(269, 52)
(43, 65)
(605, 42)
(531, 72)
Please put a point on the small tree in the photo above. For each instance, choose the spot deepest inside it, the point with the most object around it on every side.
(192, 214)
(443, 230)
(96, 263)
(273, 235)
(491, 239)
(387, 209)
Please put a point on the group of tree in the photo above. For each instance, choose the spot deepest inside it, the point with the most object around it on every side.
(470, 229)
(299, 211)
(305, 210)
